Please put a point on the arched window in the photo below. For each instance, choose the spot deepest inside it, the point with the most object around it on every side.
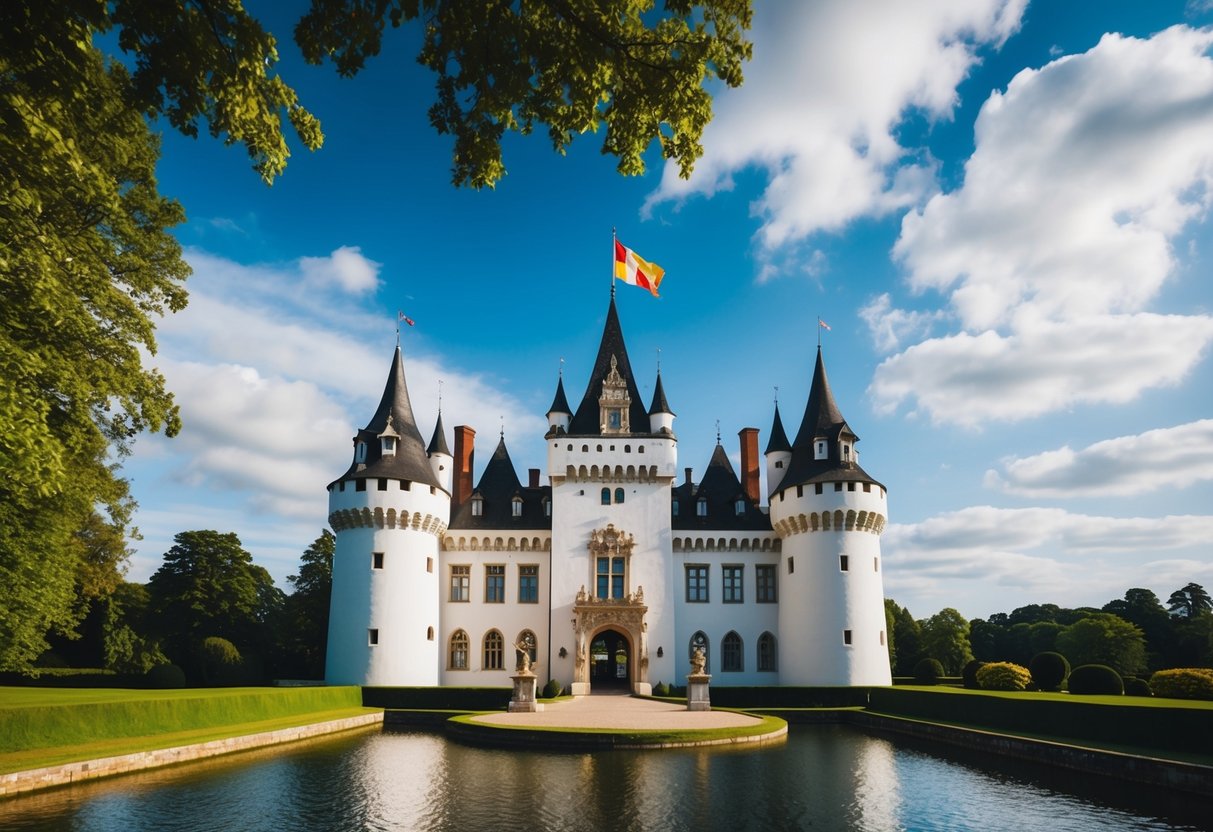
(768, 656)
(458, 655)
(360, 453)
(494, 651)
(516, 507)
(700, 641)
(730, 653)
(606, 496)
(429, 633)
(618, 495)
(528, 637)
(477, 506)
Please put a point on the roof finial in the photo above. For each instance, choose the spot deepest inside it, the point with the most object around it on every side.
(659, 361)
(503, 427)
(777, 395)
(560, 372)
(439, 397)
(717, 431)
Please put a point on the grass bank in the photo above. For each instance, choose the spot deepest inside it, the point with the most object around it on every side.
(47, 726)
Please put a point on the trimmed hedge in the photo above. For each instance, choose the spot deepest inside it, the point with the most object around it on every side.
(1004, 676)
(1183, 728)
(437, 699)
(969, 674)
(1183, 683)
(165, 677)
(1137, 687)
(1096, 680)
(114, 714)
(745, 696)
(928, 672)
(1049, 670)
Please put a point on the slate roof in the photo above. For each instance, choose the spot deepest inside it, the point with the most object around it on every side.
(721, 489)
(586, 420)
(410, 461)
(560, 404)
(498, 486)
(438, 440)
(822, 418)
(779, 439)
(659, 405)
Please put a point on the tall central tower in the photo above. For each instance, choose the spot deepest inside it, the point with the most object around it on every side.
(829, 514)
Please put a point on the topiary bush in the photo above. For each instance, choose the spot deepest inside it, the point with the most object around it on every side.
(927, 672)
(164, 676)
(1097, 679)
(1137, 687)
(552, 689)
(1049, 670)
(222, 661)
(1183, 683)
(661, 689)
(969, 674)
(1003, 676)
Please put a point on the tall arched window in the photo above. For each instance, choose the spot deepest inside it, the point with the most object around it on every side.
(700, 641)
(731, 660)
(494, 651)
(618, 496)
(768, 655)
(606, 496)
(458, 655)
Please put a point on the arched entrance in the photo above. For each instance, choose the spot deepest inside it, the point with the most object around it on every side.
(610, 661)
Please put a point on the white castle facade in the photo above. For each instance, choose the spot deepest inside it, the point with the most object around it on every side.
(614, 571)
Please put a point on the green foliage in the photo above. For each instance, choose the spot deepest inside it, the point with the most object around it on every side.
(306, 609)
(659, 689)
(928, 672)
(890, 628)
(1191, 601)
(1049, 670)
(907, 634)
(221, 660)
(1104, 639)
(1003, 676)
(945, 636)
(573, 67)
(166, 676)
(969, 674)
(1096, 679)
(553, 689)
(1137, 687)
(1183, 683)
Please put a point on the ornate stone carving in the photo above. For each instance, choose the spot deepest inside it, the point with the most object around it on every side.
(615, 403)
(610, 542)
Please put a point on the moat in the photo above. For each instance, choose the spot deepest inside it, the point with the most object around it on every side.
(822, 778)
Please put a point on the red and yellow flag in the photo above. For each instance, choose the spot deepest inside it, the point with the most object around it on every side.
(631, 268)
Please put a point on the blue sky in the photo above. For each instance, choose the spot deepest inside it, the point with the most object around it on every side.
(1000, 208)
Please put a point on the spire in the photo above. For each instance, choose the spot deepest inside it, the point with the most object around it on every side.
(821, 414)
(499, 479)
(779, 439)
(659, 405)
(586, 420)
(394, 413)
(560, 404)
(438, 440)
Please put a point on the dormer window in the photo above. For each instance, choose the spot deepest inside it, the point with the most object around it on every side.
(360, 453)
(675, 508)
(701, 507)
(739, 506)
(846, 451)
(547, 507)
(388, 445)
(516, 507)
(819, 449)
(477, 507)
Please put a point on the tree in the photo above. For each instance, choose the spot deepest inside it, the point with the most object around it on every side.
(945, 637)
(908, 636)
(1190, 602)
(890, 627)
(307, 608)
(207, 586)
(1142, 607)
(1103, 638)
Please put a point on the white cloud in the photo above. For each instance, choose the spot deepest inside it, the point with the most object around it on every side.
(970, 380)
(891, 327)
(345, 267)
(828, 86)
(1127, 465)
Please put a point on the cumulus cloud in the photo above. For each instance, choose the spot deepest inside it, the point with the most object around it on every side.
(1015, 556)
(345, 268)
(1085, 171)
(971, 380)
(1127, 465)
(890, 327)
(829, 84)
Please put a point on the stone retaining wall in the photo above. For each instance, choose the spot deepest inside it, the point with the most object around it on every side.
(18, 782)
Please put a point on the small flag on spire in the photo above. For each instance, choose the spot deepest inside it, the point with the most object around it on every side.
(400, 316)
(633, 269)
(823, 325)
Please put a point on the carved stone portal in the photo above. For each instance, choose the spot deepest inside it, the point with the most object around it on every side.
(625, 615)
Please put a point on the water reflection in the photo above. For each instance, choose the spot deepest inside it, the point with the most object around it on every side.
(822, 778)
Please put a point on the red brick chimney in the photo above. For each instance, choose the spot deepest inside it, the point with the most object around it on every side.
(465, 452)
(749, 463)
(533, 478)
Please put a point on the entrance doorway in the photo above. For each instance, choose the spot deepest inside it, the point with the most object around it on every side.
(610, 661)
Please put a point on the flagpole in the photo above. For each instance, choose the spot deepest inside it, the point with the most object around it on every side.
(614, 240)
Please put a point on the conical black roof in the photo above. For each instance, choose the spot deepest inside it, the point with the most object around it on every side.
(779, 439)
(438, 440)
(586, 420)
(823, 419)
(659, 405)
(409, 462)
(498, 486)
(720, 489)
(560, 404)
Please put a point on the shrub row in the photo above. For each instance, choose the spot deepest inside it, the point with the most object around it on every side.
(1183, 683)
(1003, 676)
(437, 699)
(744, 696)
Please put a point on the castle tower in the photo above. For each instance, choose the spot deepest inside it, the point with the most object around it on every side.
(612, 576)
(829, 514)
(778, 453)
(441, 461)
(389, 511)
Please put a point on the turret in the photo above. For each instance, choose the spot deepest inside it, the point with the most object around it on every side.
(559, 414)
(661, 418)
(778, 454)
(441, 461)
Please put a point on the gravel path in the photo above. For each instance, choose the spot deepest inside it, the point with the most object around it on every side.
(619, 711)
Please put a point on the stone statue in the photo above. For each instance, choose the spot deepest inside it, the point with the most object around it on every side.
(698, 661)
(524, 656)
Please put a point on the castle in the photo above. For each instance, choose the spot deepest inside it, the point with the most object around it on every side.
(613, 572)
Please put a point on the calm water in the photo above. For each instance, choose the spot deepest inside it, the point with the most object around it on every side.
(823, 778)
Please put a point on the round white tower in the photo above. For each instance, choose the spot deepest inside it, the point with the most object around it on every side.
(829, 514)
(441, 461)
(778, 453)
(389, 511)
